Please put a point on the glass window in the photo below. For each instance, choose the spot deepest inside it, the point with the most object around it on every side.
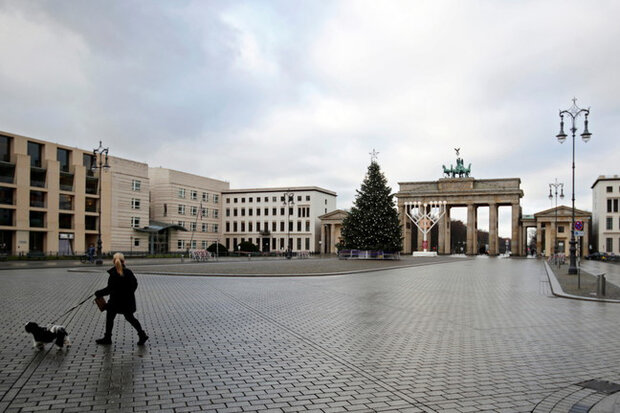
(203, 244)
(136, 242)
(205, 196)
(6, 196)
(181, 224)
(216, 227)
(181, 209)
(616, 205)
(307, 197)
(35, 151)
(6, 217)
(37, 199)
(610, 189)
(135, 203)
(5, 148)
(65, 202)
(90, 223)
(204, 227)
(135, 184)
(193, 210)
(135, 222)
(560, 228)
(181, 244)
(37, 219)
(63, 156)
(193, 195)
(227, 212)
(609, 205)
(609, 244)
(181, 193)
(216, 213)
(216, 198)
(609, 223)
(192, 226)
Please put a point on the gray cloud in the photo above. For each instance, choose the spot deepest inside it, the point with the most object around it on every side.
(267, 93)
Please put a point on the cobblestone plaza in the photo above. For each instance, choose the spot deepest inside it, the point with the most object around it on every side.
(456, 335)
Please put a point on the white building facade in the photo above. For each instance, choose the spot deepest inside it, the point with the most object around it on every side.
(606, 214)
(271, 221)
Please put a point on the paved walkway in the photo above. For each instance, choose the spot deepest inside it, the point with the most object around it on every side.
(456, 336)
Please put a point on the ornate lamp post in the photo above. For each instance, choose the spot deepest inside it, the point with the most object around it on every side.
(100, 154)
(574, 111)
(288, 201)
(555, 186)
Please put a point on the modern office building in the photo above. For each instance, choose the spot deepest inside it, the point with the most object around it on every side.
(185, 211)
(273, 218)
(51, 198)
(606, 214)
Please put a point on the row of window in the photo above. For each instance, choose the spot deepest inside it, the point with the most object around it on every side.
(183, 244)
(302, 212)
(274, 243)
(193, 195)
(609, 223)
(264, 199)
(194, 211)
(204, 227)
(610, 189)
(37, 219)
(242, 226)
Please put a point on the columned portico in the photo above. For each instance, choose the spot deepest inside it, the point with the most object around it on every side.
(469, 193)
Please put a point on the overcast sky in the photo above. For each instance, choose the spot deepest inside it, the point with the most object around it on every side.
(279, 93)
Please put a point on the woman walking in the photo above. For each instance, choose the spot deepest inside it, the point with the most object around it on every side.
(122, 285)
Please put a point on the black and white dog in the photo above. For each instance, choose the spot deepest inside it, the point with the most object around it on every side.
(51, 333)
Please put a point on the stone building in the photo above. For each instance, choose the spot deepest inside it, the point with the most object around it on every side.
(268, 219)
(50, 198)
(185, 211)
(606, 214)
(553, 230)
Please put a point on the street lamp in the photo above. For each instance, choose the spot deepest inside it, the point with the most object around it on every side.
(574, 111)
(99, 154)
(288, 200)
(555, 187)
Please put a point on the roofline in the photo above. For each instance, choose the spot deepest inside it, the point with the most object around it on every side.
(458, 179)
(281, 189)
(605, 178)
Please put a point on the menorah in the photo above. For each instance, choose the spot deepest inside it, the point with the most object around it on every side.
(425, 216)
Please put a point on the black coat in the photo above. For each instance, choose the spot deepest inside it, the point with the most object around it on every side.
(121, 289)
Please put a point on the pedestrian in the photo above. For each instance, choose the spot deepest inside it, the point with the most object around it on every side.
(91, 253)
(122, 285)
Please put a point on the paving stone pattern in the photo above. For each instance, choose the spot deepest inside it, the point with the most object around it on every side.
(462, 336)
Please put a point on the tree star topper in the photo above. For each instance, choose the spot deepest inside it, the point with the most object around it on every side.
(373, 155)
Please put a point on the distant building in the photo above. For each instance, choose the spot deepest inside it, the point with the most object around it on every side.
(606, 214)
(50, 202)
(553, 226)
(185, 211)
(262, 216)
(51, 198)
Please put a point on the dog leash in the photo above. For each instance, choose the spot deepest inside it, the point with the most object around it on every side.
(73, 308)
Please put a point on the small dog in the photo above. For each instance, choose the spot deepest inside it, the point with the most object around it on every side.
(51, 333)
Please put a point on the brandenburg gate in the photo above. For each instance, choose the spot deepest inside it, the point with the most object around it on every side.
(457, 189)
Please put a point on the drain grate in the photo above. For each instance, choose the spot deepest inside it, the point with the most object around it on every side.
(601, 386)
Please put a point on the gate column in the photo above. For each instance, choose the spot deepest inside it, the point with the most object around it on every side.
(472, 236)
(493, 244)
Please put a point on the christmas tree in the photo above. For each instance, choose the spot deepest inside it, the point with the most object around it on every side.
(373, 222)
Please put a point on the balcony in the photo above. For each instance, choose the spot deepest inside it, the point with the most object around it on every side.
(7, 172)
(91, 185)
(66, 181)
(37, 177)
(37, 219)
(7, 217)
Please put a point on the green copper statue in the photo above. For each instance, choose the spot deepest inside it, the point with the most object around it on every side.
(460, 169)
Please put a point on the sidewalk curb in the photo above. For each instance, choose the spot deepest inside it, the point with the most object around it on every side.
(556, 289)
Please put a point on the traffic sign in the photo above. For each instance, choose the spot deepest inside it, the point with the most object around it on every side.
(579, 233)
(578, 225)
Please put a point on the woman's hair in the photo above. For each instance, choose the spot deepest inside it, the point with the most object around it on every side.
(119, 260)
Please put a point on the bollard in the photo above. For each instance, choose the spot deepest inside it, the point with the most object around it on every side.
(600, 284)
